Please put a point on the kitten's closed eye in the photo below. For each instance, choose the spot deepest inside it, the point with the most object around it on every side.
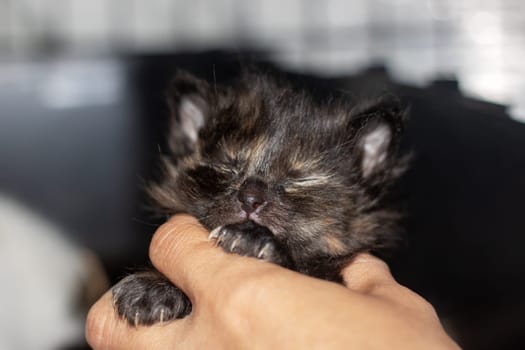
(210, 181)
(310, 181)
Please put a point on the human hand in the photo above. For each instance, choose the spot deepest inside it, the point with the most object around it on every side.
(245, 303)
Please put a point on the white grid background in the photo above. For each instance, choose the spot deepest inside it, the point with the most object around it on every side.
(481, 42)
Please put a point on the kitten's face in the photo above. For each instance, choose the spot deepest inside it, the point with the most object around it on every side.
(263, 152)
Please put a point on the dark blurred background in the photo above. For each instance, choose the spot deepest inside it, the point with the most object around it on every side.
(82, 117)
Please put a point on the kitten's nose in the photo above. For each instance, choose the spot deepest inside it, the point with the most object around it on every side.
(252, 194)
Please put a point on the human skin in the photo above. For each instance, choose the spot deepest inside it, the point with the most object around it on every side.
(245, 303)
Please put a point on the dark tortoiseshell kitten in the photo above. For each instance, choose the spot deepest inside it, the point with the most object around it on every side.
(273, 175)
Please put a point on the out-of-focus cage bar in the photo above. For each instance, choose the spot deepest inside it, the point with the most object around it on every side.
(481, 42)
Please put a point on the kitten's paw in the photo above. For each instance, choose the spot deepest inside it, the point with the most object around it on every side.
(249, 239)
(148, 297)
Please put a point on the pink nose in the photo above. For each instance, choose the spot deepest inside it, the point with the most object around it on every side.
(252, 194)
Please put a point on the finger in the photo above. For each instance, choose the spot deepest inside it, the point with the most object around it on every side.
(370, 275)
(106, 331)
(181, 250)
(366, 272)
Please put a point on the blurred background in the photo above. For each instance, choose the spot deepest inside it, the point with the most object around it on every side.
(82, 118)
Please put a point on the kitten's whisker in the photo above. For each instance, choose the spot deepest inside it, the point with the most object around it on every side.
(144, 222)
(214, 80)
(205, 217)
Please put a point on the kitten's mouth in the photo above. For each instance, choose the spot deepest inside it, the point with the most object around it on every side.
(249, 216)
(254, 218)
(258, 223)
(250, 224)
(243, 217)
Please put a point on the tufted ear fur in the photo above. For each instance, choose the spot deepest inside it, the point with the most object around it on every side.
(189, 100)
(377, 127)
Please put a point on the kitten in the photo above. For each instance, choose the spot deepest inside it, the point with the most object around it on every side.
(274, 175)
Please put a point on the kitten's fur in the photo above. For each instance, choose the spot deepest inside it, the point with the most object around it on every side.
(275, 176)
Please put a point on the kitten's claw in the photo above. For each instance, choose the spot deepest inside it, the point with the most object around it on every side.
(249, 239)
(136, 319)
(214, 234)
(263, 251)
(234, 243)
(161, 318)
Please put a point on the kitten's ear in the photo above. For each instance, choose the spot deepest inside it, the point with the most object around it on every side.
(189, 100)
(378, 126)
